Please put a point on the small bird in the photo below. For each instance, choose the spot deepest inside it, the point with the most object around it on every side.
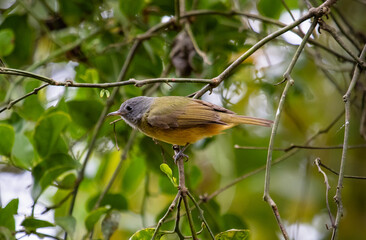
(180, 120)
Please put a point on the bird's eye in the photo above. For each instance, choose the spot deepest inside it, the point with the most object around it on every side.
(128, 108)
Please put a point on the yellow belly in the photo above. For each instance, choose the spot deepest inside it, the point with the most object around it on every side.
(182, 136)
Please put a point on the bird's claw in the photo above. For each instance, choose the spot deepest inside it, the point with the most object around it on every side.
(180, 155)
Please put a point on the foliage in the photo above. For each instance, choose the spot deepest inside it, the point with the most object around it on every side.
(53, 130)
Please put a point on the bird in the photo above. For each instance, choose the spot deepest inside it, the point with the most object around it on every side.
(180, 120)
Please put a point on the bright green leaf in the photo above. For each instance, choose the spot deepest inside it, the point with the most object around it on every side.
(47, 133)
(6, 41)
(94, 217)
(7, 214)
(32, 224)
(22, 152)
(145, 234)
(233, 234)
(168, 171)
(7, 139)
(67, 223)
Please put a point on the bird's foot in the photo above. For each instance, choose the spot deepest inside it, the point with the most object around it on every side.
(179, 153)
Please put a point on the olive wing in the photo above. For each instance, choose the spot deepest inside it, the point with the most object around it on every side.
(174, 112)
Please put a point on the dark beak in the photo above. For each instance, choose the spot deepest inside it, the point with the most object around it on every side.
(116, 113)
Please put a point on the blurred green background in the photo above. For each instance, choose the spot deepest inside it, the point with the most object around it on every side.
(44, 138)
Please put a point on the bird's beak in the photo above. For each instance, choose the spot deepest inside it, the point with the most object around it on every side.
(116, 113)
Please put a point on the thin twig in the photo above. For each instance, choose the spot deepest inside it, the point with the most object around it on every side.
(100, 123)
(344, 176)
(12, 103)
(347, 100)
(200, 212)
(217, 80)
(292, 146)
(338, 39)
(137, 83)
(195, 45)
(327, 187)
(266, 20)
(170, 209)
(63, 200)
(290, 81)
(179, 159)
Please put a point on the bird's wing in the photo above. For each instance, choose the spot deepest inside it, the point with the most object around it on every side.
(183, 112)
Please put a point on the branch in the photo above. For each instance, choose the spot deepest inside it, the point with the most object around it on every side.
(290, 81)
(337, 38)
(327, 187)
(346, 99)
(179, 159)
(317, 12)
(344, 176)
(137, 83)
(35, 91)
(292, 146)
(100, 123)
(266, 20)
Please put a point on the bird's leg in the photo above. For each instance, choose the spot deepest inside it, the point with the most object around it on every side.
(179, 152)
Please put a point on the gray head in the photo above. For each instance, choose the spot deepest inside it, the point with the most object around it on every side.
(132, 110)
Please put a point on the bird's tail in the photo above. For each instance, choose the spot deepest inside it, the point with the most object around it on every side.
(238, 119)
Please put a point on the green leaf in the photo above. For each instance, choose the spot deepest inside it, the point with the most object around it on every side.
(47, 133)
(5, 234)
(131, 7)
(145, 234)
(31, 109)
(24, 41)
(67, 223)
(270, 8)
(31, 224)
(48, 170)
(168, 171)
(7, 214)
(6, 42)
(7, 139)
(110, 223)
(135, 173)
(112, 200)
(94, 217)
(233, 234)
(22, 152)
(85, 113)
(67, 181)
